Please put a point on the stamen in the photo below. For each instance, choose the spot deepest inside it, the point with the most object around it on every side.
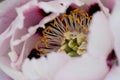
(68, 33)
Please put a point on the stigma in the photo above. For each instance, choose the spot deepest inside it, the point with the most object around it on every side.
(67, 32)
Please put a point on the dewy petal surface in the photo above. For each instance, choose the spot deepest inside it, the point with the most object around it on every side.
(114, 74)
(92, 65)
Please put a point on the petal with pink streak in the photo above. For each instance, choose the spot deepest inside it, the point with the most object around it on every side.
(90, 66)
(114, 74)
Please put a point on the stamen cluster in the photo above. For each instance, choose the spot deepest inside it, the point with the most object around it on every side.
(67, 32)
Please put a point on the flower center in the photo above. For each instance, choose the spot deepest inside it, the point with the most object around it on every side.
(67, 33)
(74, 43)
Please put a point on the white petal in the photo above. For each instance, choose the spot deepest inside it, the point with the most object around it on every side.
(3, 76)
(100, 39)
(28, 70)
(16, 75)
(45, 68)
(58, 6)
(115, 27)
(114, 74)
(83, 68)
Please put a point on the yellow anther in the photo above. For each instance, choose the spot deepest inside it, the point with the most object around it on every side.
(36, 45)
(64, 16)
(79, 22)
(67, 27)
(55, 22)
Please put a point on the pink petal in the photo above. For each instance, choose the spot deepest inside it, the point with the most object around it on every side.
(5, 21)
(20, 32)
(8, 13)
(28, 45)
(4, 47)
(33, 16)
(92, 65)
(109, 3)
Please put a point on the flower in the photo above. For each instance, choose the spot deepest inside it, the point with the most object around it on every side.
(43, 29)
